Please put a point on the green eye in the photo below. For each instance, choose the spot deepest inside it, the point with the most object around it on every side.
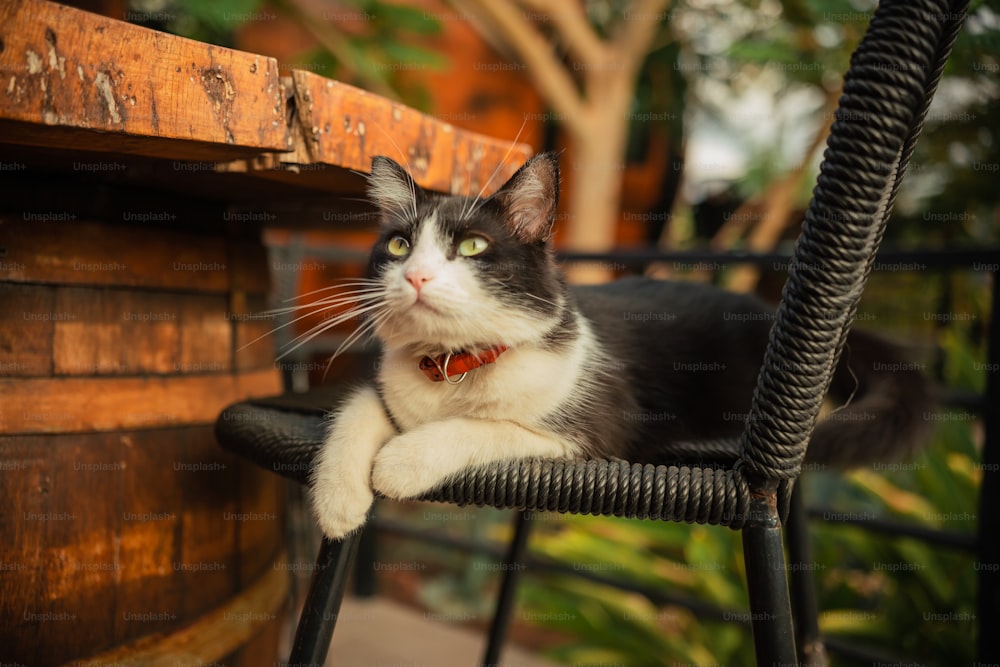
(398, 246)
(472, 245)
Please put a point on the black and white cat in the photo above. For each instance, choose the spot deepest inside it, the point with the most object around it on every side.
(488, 355)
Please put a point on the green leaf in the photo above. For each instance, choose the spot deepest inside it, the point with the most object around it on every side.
(401, 18)
(764, 51)
(221, 14)
(412, 57)
(851, 622)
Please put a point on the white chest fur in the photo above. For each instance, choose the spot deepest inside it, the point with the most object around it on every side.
(524, 385)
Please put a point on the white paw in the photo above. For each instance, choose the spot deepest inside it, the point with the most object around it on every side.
(340, 510)
(411, 464)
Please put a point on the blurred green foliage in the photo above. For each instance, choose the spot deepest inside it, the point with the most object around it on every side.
(899, 596)
(799, 47)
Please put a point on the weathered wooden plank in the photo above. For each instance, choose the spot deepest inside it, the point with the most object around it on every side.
(25, 329)
(67, 405)
(346, 127)
(254, 338)
(119, 536)
(214, 635)
(150, 530)
(97, 331)
(152, 330)
(206, 335)
(116, 332)
(80, 554)
(69, 77)
(81, 252)
(260, 527)
(60, 517)
(248, 260)
(205, 483)
(264, 641)
(131, 332)
(24, 480)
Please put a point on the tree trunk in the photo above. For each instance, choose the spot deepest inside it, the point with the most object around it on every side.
(596, 173)
(594, 110)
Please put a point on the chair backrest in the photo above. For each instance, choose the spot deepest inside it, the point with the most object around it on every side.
(888, 88)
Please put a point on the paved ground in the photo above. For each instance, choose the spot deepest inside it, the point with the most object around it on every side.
(378, 632)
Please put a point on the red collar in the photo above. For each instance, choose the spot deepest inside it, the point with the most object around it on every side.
(447, 366)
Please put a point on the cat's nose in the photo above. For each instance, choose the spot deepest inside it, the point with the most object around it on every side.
(418, 277)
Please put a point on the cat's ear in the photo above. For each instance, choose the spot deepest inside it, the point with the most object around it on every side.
(528, 201)
(391, 188)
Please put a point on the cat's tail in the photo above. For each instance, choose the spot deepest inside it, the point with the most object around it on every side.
(882, 407)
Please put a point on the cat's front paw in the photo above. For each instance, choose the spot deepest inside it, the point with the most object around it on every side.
(340, 511)
(409, 465)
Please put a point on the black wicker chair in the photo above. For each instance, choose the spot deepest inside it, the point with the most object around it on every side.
(892, 78)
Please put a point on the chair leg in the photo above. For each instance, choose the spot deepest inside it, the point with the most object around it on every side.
(804, 604)
(364, 564)
(319, 616)
(770, 610)
(512, 566)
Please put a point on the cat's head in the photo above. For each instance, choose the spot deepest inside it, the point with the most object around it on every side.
(464, 273)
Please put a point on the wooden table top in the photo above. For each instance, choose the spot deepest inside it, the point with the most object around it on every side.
(85, 93)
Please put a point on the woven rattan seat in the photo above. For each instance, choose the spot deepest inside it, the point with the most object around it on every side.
(284, 433)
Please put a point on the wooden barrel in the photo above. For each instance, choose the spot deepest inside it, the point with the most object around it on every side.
(129, 536)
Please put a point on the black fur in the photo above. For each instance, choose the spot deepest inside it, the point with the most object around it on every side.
(689, 357)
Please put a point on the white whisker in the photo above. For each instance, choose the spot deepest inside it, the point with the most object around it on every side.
(274, 330)
(357, 282)
(317, 308)
(327, 302)
(325, 325)
(364, 329)
(368, 293)
(551, 303)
